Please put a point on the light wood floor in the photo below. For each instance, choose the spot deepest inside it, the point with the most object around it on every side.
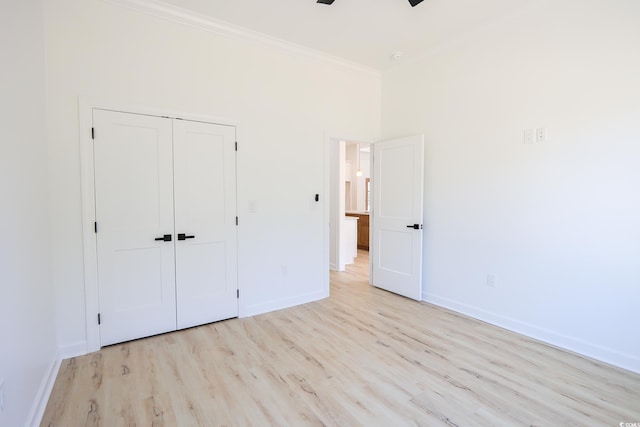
(363, 357)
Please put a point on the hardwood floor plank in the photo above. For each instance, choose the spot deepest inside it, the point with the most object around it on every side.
(361, 357)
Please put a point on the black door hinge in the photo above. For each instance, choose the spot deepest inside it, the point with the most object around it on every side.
(236, 145)
(236, 220)
(238, 293)
(99, 320)
(95, 227)
(93, 133)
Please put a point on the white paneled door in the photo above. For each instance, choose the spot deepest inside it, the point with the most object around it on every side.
(205, 218)
(165, 214)
(398, 171)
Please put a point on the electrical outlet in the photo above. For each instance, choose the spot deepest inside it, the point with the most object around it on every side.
(491, 280)
(541, 135)
(529, 136)
(2, 401)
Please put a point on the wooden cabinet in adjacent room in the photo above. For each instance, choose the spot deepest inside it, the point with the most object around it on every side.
(363, 229)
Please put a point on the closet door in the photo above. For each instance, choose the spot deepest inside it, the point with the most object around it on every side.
(134, 213)
(205, 222)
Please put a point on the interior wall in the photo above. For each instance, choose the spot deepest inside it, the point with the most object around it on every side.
(283, 103)
(556, 223)
(336, 164)
(27, 334)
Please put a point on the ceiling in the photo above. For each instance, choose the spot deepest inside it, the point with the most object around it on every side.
(366, 32)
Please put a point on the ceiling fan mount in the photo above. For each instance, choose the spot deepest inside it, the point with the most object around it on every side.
(413, 3)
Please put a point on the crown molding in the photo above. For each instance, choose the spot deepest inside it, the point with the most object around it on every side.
(193, 19)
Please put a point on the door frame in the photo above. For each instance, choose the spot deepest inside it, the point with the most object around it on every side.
(86, 105)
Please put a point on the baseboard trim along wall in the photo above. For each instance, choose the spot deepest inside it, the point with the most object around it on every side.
(44, 392)
(279, 304)
(80, 348)
(73, 350)
(606, 355)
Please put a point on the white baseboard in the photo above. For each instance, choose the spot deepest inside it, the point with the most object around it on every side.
(73, 350)
(576, 345)
(44, 391)
(253, 310)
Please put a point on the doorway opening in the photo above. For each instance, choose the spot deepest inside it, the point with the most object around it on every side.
(396, 192)
(350, 206)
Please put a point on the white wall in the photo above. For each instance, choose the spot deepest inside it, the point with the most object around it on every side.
(558, 223)
(283, 102)
(27, 332)
(337, 172)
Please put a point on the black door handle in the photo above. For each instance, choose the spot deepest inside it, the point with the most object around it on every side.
(414, 226)
(165, 238)
(183, 236)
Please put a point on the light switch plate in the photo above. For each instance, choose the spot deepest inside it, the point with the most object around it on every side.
(529, 136)
(491, 280)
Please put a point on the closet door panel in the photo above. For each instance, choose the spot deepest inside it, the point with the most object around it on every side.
(205, 213)
(134, 206)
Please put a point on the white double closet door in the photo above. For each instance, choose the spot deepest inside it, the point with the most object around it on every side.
(165, 198)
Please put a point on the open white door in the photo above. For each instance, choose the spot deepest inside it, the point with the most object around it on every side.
(396, 254)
